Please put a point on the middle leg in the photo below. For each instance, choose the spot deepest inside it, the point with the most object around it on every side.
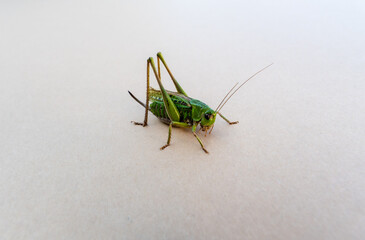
(175, 124)
(168, 138)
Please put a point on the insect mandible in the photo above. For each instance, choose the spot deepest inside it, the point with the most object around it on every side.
(177, 109)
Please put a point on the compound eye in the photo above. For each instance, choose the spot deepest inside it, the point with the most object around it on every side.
(207, 116)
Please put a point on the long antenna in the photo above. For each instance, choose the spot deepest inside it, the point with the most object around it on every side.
(242, 85)
(226, 96)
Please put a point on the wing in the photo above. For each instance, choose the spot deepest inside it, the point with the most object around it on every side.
(177, 98)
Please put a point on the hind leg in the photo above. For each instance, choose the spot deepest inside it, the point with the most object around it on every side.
(177, 85)
(147, 98)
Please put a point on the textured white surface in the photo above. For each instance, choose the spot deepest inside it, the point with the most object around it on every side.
(72, 166)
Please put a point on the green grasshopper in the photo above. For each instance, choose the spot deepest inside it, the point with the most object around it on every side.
(177, 109)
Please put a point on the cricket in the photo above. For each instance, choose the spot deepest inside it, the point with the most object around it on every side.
(177, 109)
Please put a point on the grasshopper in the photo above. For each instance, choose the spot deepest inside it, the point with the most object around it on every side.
(177, 109)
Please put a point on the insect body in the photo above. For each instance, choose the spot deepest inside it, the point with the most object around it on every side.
(177, 109)
(189, 109)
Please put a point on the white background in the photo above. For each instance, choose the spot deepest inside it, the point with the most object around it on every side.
(72, 166)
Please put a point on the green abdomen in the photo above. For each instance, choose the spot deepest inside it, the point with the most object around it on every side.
(158, 109)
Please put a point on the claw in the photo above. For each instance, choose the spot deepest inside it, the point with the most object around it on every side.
(205, 150)
(139, 124)
(163, 147)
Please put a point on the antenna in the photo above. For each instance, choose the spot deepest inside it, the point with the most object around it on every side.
(226, 96)
(221, 106)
